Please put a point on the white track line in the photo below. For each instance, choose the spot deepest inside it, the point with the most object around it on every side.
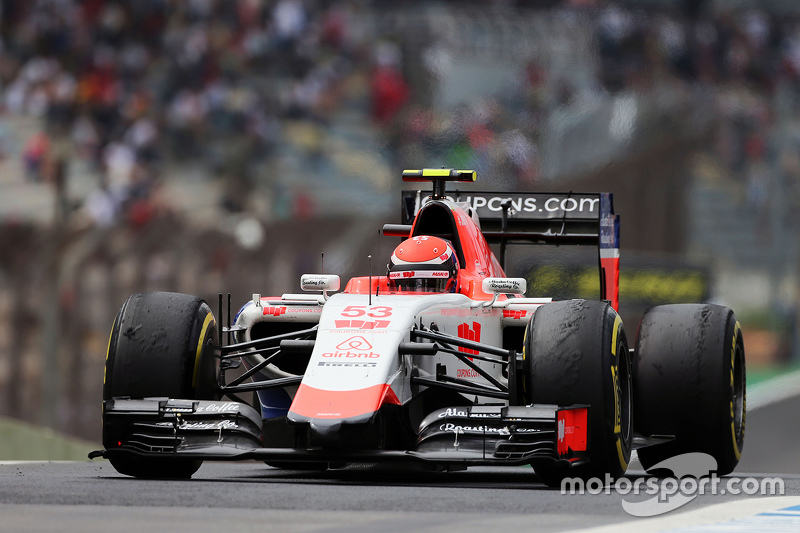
(773, 390)
(40, 461)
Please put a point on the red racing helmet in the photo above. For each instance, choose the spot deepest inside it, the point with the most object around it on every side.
(423, 264)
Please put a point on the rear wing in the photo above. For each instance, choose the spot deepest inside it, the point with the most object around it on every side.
(543, 218)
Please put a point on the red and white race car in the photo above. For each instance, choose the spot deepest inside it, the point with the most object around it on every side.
(440, 361)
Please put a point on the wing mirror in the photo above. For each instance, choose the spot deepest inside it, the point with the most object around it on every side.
(320, 282)
(498, 286)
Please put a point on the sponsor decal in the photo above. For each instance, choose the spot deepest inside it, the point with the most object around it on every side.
(455, 411)
(457, 428)
(581, 205)
(348, 363)
(352, 348)
(466, 373)
(351, 355)
(219, 408)
(222, 424)
(355, 343)
(504, 285)
(274, 311)
(471, 334)
(177, 409)
(312, 282)
(530, 206)
(406, 274)
(517, 315)
(216, 426)
(362, 324)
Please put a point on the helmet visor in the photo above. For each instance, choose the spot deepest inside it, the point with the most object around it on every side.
(421, 281)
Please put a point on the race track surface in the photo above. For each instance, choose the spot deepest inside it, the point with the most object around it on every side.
(91, 496)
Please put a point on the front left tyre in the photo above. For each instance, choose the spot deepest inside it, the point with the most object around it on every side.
(161, 345)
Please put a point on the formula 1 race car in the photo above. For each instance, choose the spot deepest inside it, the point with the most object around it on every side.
(441, 361)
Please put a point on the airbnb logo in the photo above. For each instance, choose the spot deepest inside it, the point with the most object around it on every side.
(355, 343)
(354, 347)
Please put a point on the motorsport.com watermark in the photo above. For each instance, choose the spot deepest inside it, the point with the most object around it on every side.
(691, 479)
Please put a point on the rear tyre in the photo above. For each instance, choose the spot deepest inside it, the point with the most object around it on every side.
(576, 352)
(159, 347)
(690, 378)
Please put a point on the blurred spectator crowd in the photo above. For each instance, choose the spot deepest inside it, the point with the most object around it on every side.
(133, 87)
(747, 60)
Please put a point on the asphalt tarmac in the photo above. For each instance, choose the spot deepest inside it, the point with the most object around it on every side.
(91, 496)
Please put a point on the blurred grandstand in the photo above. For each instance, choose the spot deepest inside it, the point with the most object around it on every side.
(209, 146)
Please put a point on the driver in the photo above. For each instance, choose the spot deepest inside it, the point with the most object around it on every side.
(423, 264)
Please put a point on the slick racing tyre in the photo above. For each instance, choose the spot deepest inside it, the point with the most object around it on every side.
(576, 352)
(690, 382)
(159, 347)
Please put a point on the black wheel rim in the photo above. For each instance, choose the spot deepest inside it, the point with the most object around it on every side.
(738, 392)
(624, 392)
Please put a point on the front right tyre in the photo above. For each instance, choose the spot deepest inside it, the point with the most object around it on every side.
(161, 345)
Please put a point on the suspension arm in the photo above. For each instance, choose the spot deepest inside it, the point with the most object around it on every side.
(472, 345)
(262, 385)
(267, 340)
(478, 391)
(253, 370)
(491, 379)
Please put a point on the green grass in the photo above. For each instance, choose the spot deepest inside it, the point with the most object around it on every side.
(760, 374)
(20, 441)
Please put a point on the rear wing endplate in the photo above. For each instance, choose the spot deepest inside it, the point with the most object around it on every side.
(543, 218)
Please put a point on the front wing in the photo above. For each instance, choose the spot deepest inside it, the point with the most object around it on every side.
(465, 436)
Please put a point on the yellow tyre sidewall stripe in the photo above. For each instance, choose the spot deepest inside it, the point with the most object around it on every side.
(108, 348)
(617, 400)
(208, 320)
